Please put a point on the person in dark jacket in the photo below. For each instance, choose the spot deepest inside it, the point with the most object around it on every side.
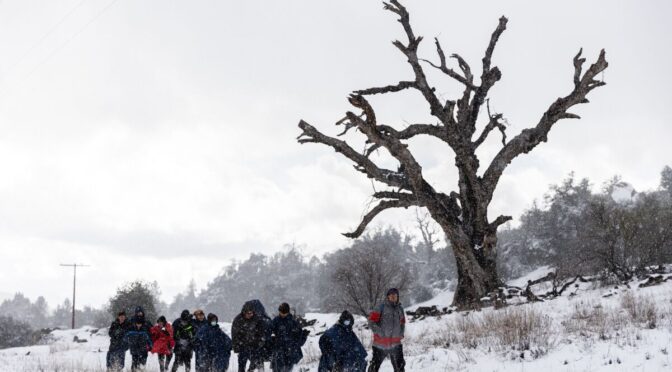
(287, 339)
(249, 337)
(214, 347)
(139, 343)
(387, 321)
(341, 349)
(162, 338)
(198, 322)
(183, 334)
(116, 354)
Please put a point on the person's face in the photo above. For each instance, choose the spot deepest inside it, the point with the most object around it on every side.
(283, 315)
(200, 316)
(393, 297)
(140, 314)
(122, 318)
(249, 314)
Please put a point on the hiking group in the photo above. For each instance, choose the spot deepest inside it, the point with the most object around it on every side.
(256, 339)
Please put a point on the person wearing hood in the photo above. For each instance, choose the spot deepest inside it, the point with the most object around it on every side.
(248, 333)
(183, 334)
(139, 344)
(288, 337)
(387, 321)
(214, 347)
(162, 338)
(139, 316)
(116, 353)
(341, 349)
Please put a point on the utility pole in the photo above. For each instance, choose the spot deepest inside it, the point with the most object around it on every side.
(74, 286)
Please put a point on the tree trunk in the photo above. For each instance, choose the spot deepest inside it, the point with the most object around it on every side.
(477, 272)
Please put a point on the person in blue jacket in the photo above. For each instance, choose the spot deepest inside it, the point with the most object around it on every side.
(341, 349)
(287, 338)
(139, 343)
(214, 347)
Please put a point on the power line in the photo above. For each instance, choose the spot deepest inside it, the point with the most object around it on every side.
(64, 44)
(74, 286)
(46, 35)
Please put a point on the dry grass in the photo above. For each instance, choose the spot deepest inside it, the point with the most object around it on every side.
(522, 328)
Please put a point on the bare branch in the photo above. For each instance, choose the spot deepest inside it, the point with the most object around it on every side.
(493, 42)
(492, 124)
(383, 205)
(387, 89)
(466, 80)
(498, 222)
(414, 130)
(363, 163)
(405, 196)
(531, 137)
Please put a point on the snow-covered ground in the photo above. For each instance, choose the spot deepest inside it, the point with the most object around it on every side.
(589, 328)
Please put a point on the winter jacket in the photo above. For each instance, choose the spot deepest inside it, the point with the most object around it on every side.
(214, 347)
(341, 350)
(249, 334)
(117, 332)
(183, 335)
(287, 339)
(387, 321)
(138, 341)
(162, 339)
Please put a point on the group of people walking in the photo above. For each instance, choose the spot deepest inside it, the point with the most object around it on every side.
(256, 338)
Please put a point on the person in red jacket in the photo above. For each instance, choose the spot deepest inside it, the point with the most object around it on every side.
(162, 337)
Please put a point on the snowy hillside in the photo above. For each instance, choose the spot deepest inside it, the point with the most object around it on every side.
(617, 328)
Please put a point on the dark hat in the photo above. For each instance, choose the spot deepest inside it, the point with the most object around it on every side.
(283, 308)
(392, 291)
(162, 319)
(212, 317)
(185, 314)
(346, 316)
(122, 312)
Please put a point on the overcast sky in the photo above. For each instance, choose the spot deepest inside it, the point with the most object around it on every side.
(157, 139)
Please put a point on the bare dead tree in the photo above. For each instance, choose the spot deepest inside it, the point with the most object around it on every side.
(462, 214)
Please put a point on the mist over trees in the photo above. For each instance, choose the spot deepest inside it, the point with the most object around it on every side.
(616, 232)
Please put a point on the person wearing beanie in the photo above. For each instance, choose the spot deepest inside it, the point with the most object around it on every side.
(287, 338)
(183, 335)
(116, 353)
(387, 321)
(341, 350)
(139, 343)
(214, 347)
(162, 338)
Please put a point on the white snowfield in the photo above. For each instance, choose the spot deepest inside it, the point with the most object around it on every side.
(587, 329)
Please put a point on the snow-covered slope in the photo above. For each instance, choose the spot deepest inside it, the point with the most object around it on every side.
(589, 328)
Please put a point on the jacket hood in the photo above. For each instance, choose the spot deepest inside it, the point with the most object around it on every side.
(256, 306)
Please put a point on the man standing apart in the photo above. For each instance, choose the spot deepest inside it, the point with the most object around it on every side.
(387, 321)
